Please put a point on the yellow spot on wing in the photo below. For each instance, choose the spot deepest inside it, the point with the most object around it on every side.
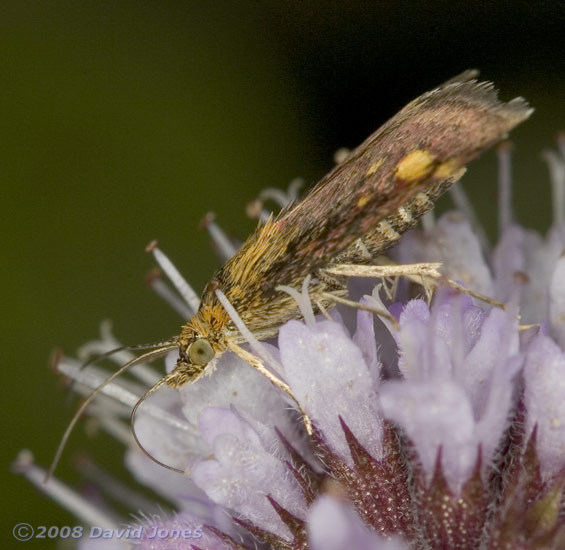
(446, 169)
(415, 165)
(375, 166)
(363, 200)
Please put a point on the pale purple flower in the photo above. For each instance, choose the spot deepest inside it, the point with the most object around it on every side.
(544, 377)
(459, 365)
(247, 470)
(334, 525)
(443, 431)
(324, 357)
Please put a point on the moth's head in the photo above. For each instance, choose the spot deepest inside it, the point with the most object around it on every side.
(195, 354)
(201, 341)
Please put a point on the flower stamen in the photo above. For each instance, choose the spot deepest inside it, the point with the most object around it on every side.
(174, 275)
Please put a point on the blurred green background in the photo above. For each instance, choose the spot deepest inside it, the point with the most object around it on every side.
(127, 121)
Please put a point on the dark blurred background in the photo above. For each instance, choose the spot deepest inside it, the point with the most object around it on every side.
(127, 121)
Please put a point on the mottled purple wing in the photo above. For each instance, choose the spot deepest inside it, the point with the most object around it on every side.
(378, 191)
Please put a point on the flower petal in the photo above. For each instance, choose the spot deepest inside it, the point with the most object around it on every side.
(242, 473)
(544, 395)
(435, 414)
(328, 375)
(452, 242)
(557, 302)
(334, 526)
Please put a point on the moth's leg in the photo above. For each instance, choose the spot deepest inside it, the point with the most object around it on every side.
(474, 294)
(358, 305)
(425, 274)
(256, 363)
(321, 307)
(426, 269)
(437, 278)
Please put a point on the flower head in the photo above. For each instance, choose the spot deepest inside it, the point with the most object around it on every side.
(443, 430)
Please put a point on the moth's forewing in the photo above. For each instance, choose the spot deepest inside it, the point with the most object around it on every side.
(440, 131)
(379, 190)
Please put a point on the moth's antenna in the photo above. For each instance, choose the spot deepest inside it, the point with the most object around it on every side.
(137, 347)
(149, 356)
(132, 423)
(105, 355)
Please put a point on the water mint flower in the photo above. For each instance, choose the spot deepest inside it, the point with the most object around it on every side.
(459, 366)
(443, 430)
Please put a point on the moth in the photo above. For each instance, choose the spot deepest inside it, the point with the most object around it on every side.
(354, 214)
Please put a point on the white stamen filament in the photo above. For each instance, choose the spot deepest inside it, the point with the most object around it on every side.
(179, 282)
(222, 242)
(376, 301)
(428, 221)
(169, 297)
(92, 378)
(556, 165)
(143, 372)
(111, 423)
(294, 188)
(275, 195)
(256, 346)
(462, 202)
(505, 214)
(112, 486)
(59, 492)
(264, 216)
(302, 299)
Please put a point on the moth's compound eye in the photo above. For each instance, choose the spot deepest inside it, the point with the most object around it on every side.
(201, 352)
